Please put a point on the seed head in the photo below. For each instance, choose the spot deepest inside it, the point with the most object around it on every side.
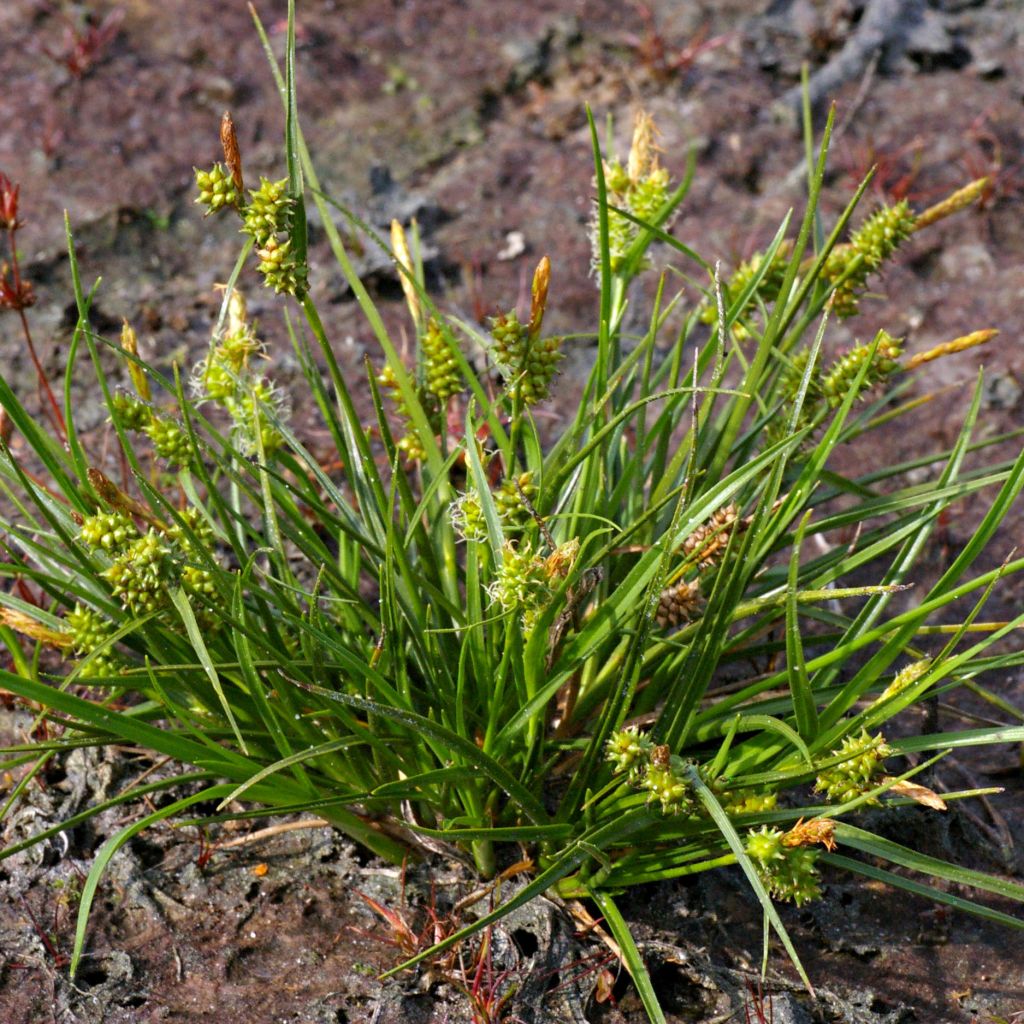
(217, 191)
(628, 749)
(112, 531)
(676, 604)
(707, 542)
(170, 441)
(666, 784)
(840, 376)
(87, 628)
(133, 413)
(860, 770)
(468, 516)
(267, 212)
(136, 576)
(440, 367)
(16, 293)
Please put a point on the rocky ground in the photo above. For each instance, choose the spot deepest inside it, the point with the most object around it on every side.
(470, 115)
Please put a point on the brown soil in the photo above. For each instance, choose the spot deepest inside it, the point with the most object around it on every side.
(470, 115)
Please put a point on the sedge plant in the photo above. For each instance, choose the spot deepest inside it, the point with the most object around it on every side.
(641, 647)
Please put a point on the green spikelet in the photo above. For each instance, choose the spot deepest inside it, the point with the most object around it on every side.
(792, 375)
(136, 576)
(522, 582)
(528, 365)
(268, 209)
(869, 247)
(102, 666)
(440, 367)
(629, 751)
(788, 873)
(201, 530)
(840, 375)
(862, 766)
(767, 290)
(664, 779)
(170, 441)
(198, 581)
(510, 341)
(112, 531)
(133, 413)
(748, 801)
(239, 347)
(883, 232)
(89, 631)
(515, 516)
(217, 383)
(541, 364)
(649, 194)
(790, 378)
(642, 187)
(248, 409)
(409, 444)
(764, 846)
(218, 376)
(621, 230)
(280, 269)
(795, 878)
(216, 189)
(467, 516)
(88, 628)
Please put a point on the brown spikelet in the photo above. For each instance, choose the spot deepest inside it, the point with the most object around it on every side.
(709, 541)
(817, 831)
(6, 428)
(539, 296)
(560, 561)
(116, 498)
(661, 756)
(949, 347)
(676, 604)
(232, 156)
(921, 794)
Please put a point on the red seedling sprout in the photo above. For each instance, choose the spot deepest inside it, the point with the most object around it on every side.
(16, 295)
(83, 47)
(206, 851)
(754, 1007)
(988, 160)
(598, 964)
(60, 959)
(896, 169)
(488, 990)
(653, 52)
(401, 935)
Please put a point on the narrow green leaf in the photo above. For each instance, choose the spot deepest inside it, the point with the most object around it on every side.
(725, 826)
(630, 955)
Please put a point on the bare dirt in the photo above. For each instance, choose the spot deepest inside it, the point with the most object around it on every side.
(470, 116)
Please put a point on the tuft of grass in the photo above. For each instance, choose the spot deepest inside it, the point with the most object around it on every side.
(616, 646)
